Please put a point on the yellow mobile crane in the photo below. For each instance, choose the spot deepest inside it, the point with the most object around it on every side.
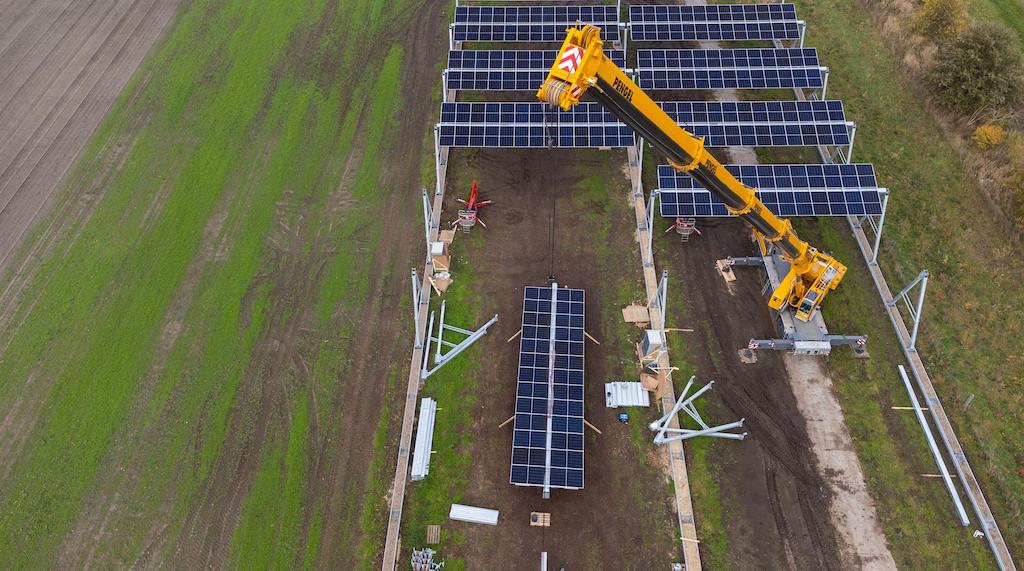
(582, 67)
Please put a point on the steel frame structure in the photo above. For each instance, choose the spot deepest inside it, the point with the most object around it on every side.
(667, 433)
(454, 349)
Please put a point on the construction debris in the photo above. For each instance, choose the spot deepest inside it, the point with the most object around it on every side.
(636, 314)
(540, 519)
(440, 282)
(423, 560)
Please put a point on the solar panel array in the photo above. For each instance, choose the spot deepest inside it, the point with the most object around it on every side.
(788, 190)
(550, 383)
(756, 68)
(505, 70)
(762, 123)
(715, 22)
(530, 23)
(530, 125)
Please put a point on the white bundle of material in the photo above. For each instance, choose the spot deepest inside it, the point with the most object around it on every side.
(424, 439)
(625, 394)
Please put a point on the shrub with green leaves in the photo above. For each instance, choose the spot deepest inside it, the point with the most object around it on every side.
(981, 70)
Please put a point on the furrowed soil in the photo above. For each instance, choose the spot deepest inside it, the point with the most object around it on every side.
(63, 64)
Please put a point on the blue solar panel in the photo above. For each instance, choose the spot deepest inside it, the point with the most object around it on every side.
(730, 69)
(712, 13)
(788, 190)
(530, 125)
(530, 23)
(549, 390)
(762, 123)
(715, 22)
(746, 123)
(504, 70)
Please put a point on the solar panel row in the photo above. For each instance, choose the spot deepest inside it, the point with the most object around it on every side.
(728, 58)
(753, 111)
(522, 32)
(530, 23)
(549, 390)
(788, 190)
(730, 69)
(712, 13)
(525, 137)
(682, 111)
(805, 78)
(725, 123)
(504, 70)
(662, 32)
(598, 15)
(514, 59)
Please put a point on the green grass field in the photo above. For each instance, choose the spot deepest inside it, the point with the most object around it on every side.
(937, 220)
(243, 121)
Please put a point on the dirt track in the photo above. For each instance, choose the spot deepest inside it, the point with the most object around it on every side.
(781, 517)
(63, 64)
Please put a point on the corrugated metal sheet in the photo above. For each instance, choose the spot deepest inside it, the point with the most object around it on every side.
(472, 514)
(625, 394)
(424, 439)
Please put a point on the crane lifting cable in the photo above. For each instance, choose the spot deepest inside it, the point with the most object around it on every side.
(581, 67)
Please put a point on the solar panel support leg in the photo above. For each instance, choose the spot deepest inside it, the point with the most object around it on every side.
(440, 334)
(824, 83)
(426, 350)
(416, 309)
(914, 310)
(803, 30)
(878, 230)
(437, 158)
(852, 129)
(934, 448)
(649, 258)
(428, 216)
(661, 297)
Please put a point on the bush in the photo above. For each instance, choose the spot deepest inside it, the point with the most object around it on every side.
(941, 19)
(979, 71)
(989, 136)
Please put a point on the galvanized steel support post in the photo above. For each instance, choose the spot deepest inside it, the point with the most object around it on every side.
(878, 230)
(934, 448)
(914, 310)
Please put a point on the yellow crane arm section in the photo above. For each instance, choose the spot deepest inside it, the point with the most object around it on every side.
(581, 67)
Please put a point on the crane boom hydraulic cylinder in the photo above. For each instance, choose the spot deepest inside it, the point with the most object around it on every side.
(582, 68)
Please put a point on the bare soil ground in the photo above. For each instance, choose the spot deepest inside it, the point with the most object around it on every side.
(775, 501)
(621, 519)
(63, 64)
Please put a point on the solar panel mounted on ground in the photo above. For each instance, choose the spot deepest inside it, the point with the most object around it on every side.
(547, 441)
(788, 190)
(755, 68)
(530, 23)
(530, 125)
(762, 123)
(714, 22)
(505, 70)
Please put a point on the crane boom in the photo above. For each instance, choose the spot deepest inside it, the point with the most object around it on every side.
(581, 67)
